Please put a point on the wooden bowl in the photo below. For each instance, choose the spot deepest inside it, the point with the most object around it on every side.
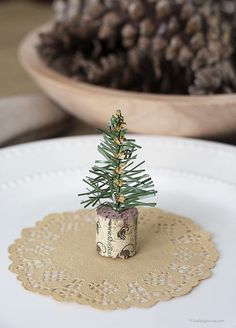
(193, 116)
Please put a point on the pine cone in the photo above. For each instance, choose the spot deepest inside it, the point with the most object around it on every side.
(228, 9)
(218, 78)
(160, 46)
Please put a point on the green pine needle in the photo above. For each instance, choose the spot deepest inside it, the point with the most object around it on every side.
(116, 181)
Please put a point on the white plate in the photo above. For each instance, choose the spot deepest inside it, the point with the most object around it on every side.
(194, 178)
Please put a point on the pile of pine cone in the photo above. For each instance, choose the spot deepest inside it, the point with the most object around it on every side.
(156, 46)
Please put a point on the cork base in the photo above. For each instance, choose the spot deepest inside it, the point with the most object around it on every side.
(116, 232)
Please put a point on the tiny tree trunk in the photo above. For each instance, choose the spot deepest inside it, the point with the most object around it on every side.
(116, 232)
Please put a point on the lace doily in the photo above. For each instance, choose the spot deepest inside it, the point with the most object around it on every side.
(58, 258)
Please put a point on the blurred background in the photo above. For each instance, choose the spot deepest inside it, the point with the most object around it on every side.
(25, 113)
(17, 18)
(181, 51)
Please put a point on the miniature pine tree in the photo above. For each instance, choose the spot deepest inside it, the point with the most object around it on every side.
(117, 182)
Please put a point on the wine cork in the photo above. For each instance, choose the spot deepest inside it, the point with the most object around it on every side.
(116, 232)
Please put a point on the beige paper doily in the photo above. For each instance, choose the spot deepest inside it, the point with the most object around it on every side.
(58, 258)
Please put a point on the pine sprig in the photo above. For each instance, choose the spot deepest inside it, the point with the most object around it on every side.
(117, 182)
